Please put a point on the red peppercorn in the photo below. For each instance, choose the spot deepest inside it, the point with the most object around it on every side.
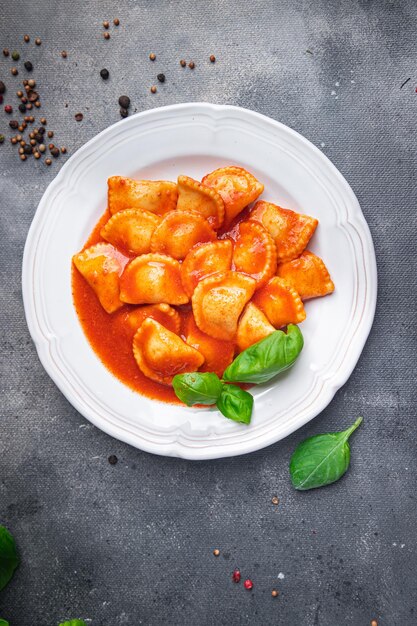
(248, 584)
(236, 576)
(8, 108)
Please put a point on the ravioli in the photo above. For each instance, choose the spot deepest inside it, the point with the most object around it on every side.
(156, 196)
(161, 354)
(218, 302)
(131, 229)
(280, 302)
(162, 313)
(237, 187)
(218, 354)
(179, 231)
(152, 279)
(193, 196)
(254, 252)
(291, 231)
(252, 327)
(102, 265)
(308, 275)
(205, 260)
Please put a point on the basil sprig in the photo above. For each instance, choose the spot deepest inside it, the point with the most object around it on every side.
(8, 556)
(235, 403)
(197, 388)
(266, 358)
(322, 459)
(74, 622)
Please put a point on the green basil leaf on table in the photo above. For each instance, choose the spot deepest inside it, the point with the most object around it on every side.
(322, 459)
(8, 556)
(197, 388)
(4, 623)
(235, 403)
(266, 358)
(74, 622)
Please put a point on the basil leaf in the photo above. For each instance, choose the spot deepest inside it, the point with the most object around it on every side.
(8, 556)
(235, 403)
(3, 622)
(322, 459)
(197, 388)
(73, 622)
(266, 358)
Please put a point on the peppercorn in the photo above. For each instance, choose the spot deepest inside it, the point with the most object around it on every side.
(39, 137)
(106, 24)
(51, 146)
(116, 21)
(22, 127)
(153, 89)
(28, 66)
(55, 152)
(78, 117)
(27, 149)
(124, 102)
(21, 151)
(104, 74)
(32, 95)
(112, 459)
(31, 82)
(18, 137)
(13, 140)
(26, 38)
(1, 98)
(2, 87)
(124, 112)
(31, 119)
(8, 108)
(50, 134)
(6, 52)
(41, 130)
(63, 149)
(38, 41)
(29, 105)
(19, 93)
(43, 121)
(14, 71)
(23, 157)
(32, 142)
(216, 552)
(183, 63)
(248, 584)
(374, 622)
(14, 124)
(22, 108)
(42, 147)
(37, 155)
(25, 81)
(191, 65)
(275, 500)
(15, 55)
(152, 56)
(64, 54)
(274, 593)
(212, 58)
(48, 161)
(236, 576)
(161, 78)
(106, 35)
(1, 138)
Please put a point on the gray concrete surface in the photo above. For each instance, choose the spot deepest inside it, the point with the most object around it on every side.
(132, 543)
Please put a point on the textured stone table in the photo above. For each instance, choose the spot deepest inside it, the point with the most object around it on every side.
(132, 543)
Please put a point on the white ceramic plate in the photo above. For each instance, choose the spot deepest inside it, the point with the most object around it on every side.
(194, 139)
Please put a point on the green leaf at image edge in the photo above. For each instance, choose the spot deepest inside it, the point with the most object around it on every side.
(236, 404)
(8, 556)
(322, 459)
(74, 622)
(197, 388)
(4, 623)
(266, 358)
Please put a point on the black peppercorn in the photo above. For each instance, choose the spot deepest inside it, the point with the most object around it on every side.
(104, 74)
(78, 117)
(27, 149)
(124, 112)
(161, 78)
(112, 459)
(38, 137)
(14, 124)
(6, 52)
(28, 66)
(22, 108)
(2, 87)
(124, 102)
(55, 152)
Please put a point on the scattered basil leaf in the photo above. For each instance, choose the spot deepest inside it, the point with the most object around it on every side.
(4, 623)
(8, 556)
(74, 622)
(266, 358)
(235, 403)
(197, 388)
(322, 459)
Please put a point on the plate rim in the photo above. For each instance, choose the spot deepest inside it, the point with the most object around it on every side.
(175, 447)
